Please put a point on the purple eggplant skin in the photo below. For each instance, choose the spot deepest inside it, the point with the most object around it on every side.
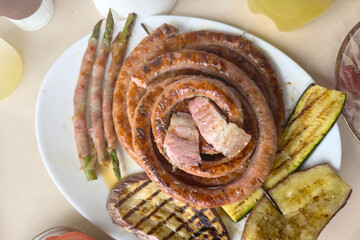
(126, 183)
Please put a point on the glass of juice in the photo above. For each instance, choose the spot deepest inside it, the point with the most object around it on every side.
(289, 15)
(11, 69)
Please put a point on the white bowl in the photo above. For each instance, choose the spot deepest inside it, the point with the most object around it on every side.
(121, 8)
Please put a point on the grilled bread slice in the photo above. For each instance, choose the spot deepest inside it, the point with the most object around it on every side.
(137, 205)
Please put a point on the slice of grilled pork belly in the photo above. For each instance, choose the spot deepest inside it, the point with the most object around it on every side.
(137, 205)
(182, 140)
(226, 138)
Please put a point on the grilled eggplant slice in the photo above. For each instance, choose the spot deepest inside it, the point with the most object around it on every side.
(315, 113)
(137, 205)
(308, 201)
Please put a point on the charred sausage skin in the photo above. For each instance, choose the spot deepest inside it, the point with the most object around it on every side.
(258, 167)
(121, 121)
(236, 49)
(159, 78)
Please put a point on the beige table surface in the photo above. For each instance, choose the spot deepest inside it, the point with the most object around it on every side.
(30, 201)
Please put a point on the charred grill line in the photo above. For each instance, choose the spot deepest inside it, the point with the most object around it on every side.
(173, 214)
(140, 204)
(181, 210)
(121, 201)
(216, 219)
(160, 224)
(180, 220)
(294, 153)
(198, 233)
(306, 109)
(196, 215)
(152, 213)
(219, 236)
(207, 226)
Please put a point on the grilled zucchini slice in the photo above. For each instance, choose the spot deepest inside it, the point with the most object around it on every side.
(137, 205)
(308, 200)
(315, 113)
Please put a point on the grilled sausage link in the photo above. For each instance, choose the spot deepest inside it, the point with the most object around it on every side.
(201, 86)
(121, 123)
(165, 72)
(257, 167)
(235, 49)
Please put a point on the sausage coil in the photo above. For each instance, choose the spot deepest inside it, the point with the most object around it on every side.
(171, 70)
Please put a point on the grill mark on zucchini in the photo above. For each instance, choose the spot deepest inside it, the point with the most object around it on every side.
(305, 128)
(304, 144)
(121, 201)
(153, 212)
(305, 109)
(290, 139)
(308, 127)
(133, 210)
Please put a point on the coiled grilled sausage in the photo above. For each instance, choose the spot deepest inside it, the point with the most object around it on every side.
(235, 49)
(261, 161)
(228, 69)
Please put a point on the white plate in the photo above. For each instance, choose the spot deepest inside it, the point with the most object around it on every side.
(55, 135)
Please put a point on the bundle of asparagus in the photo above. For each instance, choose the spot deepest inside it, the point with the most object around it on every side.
(100, 146)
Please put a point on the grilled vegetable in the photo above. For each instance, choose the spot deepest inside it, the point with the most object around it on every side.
(118, 50)
(97, 78)
(314, 115)
(308, 200)
(138, 205)
(87, 159)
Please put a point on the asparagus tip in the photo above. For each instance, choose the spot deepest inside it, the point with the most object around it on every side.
(109, 28)
(116, 164)
(96, 31)
(90, 175)
(128, 27)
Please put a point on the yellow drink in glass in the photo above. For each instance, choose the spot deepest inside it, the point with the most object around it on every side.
(289, 15)
(11, 69)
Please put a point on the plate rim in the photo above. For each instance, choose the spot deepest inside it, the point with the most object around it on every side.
(39, 139)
